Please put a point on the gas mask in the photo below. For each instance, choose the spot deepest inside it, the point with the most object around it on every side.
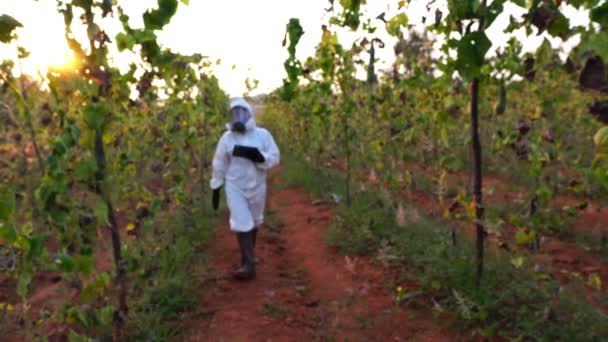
(240, 116)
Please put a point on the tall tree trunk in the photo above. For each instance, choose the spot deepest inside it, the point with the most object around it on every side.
(120, 315)
(477, 188)
(348, 168)
(28, 119)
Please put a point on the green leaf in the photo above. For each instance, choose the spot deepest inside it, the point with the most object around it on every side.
(601, 140)
(143, 36)
(598, 43)
(600, 15)
(158, 18)
(452, 163)
(104, 278)
(544, 194)
(66, 263)
(93, 290)
(106, 315)
(70, 135)
(7, 25)
(472, 49)
(36, 247)
(8, 232)
(58, 147)
(76, 315)
(351, 13)
(22, 53)
(85, 169)
(295, 32)
(545, 52)
(85, 264)
(492, 12)
(393, 26)
(517, 261)
(24, 280)
(101, 212)
(7, 204)
(601, 137)
(523, 238)
(94, 115)
(124, 41)
(559, 26)
(464, 9)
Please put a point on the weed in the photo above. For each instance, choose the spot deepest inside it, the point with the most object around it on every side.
(167, 289)
(274, 309)
(512, 300)
(322, 330)
(594, 245)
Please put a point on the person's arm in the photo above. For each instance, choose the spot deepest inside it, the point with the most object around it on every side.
(271, 153)
(221, 161)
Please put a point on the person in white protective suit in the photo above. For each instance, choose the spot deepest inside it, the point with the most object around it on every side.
(243, 155)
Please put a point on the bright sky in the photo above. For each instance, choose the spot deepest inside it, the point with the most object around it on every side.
(244, 33)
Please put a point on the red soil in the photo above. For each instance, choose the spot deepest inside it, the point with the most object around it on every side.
(304, 289)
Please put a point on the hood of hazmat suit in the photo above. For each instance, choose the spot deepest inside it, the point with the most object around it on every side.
(244, 180)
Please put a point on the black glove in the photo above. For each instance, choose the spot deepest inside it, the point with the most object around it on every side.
(215, 198)
(251, 153)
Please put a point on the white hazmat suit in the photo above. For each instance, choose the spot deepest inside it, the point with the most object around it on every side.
(244, 180)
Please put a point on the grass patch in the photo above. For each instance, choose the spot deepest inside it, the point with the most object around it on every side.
(514, 301)
(593, 244)
(321, 182)
(171, 264)
(274, 309)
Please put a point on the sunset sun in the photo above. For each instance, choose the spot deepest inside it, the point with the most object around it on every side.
(60, 60)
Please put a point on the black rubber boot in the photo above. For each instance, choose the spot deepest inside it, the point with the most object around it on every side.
(247, 270)
(255, 237)
(254, 232)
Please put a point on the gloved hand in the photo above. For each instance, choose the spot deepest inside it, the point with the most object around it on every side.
(251, 153)
(215, 198)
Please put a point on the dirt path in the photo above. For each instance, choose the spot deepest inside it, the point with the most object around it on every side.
(304, 289)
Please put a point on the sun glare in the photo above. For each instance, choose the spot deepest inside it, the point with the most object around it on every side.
(61, 60)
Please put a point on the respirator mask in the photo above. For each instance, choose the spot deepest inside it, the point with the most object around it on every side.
(240, 116)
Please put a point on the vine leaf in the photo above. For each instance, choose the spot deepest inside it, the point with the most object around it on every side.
(94, 115)
(101, 212)
(601, 140)
(158, 18)
(393, 27)
(22, 53)
(472, 49)
(124, 41)
(560, 26)
(7, 204)
(295, 32)
(7, 25)
(24, 280)
(464, 9)
(600, 15)
(598, 43)
(351, 13)
(8, 232)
